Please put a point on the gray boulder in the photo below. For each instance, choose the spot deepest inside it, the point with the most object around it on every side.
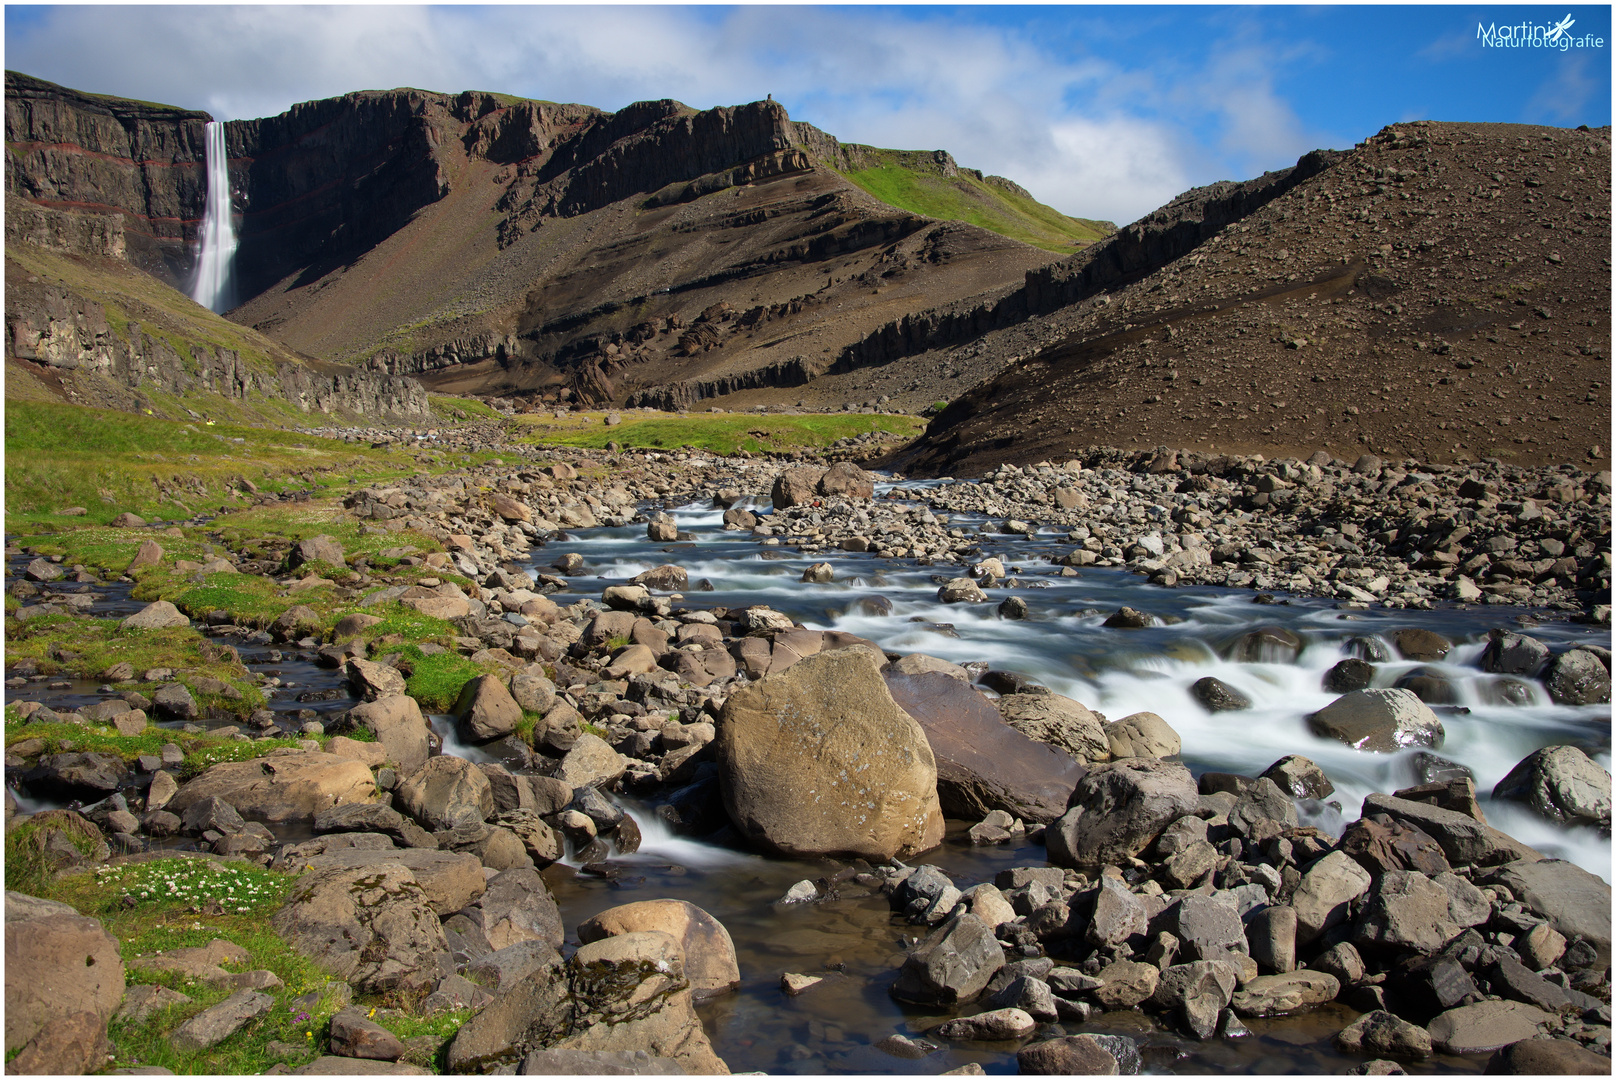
(1384, 721)
(1562, 784)
(951, 966)
(446, 792)
(1117, 810)
(1577, 677)
(369, 925)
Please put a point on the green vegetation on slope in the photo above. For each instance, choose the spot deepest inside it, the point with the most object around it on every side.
(915, 183)
(720, 434)
(60, 456)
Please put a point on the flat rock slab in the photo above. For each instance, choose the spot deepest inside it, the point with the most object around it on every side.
(1486, 1026)
(283, 786)
(983, 763)
(449, 879)
(1277, 995)
(210, 1027)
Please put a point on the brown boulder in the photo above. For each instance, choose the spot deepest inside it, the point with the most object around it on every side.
(710, 962)
(819, 760)
(60, 968)
(983, 764)
(282, 786)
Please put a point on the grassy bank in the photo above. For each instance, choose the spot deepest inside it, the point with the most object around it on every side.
(719, 433)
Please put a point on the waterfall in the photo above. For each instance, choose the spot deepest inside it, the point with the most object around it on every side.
(212, 288)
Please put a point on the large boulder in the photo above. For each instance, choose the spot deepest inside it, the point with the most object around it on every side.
(846, 480)
(449, 880)
(983, 764)
(952, 966)
(446, 792)
(710, 962)
(1486, 1026)
(64, 981)
(370, 925)
(1562, 784)
(533, 1010)
(1574, 901)
(515, 907)
(486, 710)
(1513, 654)
(630, 993)
(795, 487)
(1323, 898)
(282, 786)
(1465, 841)
(1118, 808)
(819, 760)
(397, 723)
(1144, 734)
(1058, 721)
(1577, 677)
(1384, 721)
(1279, 995)
(1407, 910)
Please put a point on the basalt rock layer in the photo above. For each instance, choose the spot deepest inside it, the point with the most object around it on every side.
(489, 244)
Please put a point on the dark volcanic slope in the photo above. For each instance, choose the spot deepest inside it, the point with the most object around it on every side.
(1441, 292)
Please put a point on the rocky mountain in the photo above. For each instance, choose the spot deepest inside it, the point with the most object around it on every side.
(482, 243)
(85, 326)
(1441, 292)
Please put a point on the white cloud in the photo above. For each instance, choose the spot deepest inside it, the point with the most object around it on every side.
(1085, 133)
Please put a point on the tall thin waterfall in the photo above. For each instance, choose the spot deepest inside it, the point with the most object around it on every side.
(213, 288)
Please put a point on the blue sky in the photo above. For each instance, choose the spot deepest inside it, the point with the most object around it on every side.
(1100, 111)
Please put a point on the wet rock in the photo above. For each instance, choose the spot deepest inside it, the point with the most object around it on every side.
(1547, 1057)
(1300, 778)
(983, 764)
(1059, 721)
(998, 1024)
(1383, 721)
(1577, 678)
(785, 785)
(1562, 784)
(1266, 645)
(1127, 618)
(1215, 695)
(1071, 1055)
(1280, 995)
(1349, 675)
(369, 925)
(961, 590)
(1118, 809)
(1380, 1032)
(710, 961)
(1419, 644)
(1144, 734)
(1486, 1026)
(951, 966)
(1513, 654)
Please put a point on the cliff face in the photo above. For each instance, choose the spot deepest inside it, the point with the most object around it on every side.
(81, 152)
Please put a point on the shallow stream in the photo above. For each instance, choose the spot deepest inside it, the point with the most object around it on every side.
(855, 942)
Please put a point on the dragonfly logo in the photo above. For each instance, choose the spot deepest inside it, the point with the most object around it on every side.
(1556, 35)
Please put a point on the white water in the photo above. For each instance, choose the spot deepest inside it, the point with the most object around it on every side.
(1123, 672)
(213, 288)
